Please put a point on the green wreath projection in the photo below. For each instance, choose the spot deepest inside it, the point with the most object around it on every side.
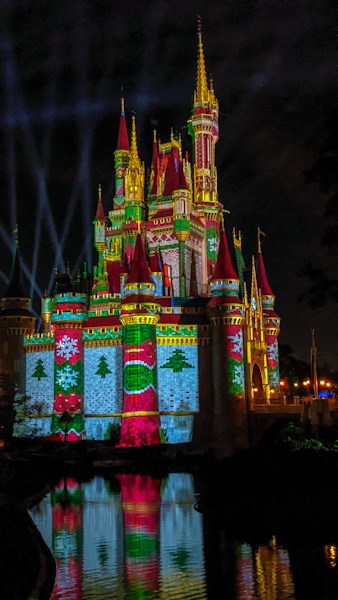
(177, 362)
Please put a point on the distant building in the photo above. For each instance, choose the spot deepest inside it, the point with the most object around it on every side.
(165, 342)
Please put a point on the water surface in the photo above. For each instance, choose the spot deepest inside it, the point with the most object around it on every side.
(136, 537)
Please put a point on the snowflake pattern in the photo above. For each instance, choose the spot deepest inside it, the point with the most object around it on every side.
(213, 245)
(67, 378)
(239, 375)
(272, 350)
(274, 379)
(237, 341)
(66, 347)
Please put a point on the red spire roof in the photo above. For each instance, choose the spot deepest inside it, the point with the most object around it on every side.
(125, 265)
(182, 183)
(139, 272)
(154, 261)
(224, 268)
(100, 216)
(122, 140)
(172, 176)
(262, 279)
(154, 167)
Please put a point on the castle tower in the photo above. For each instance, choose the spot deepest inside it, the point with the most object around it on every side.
(181, 214)
(226, 314)
(121, 156)
(134, 195)
(100, 272)
(203, 128)
(255, 346)
(69, 313)
(271, 322)
(139, 316)
(16, 321)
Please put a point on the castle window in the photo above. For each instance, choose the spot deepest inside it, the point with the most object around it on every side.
(5, 348)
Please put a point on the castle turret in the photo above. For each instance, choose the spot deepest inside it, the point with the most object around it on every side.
(256, 357)
(226, 314)
(121, 156)
(203, 128)
(16, 321)
(139, 316)
(182, 225)
(68, 316)
(271, 322)
(134, 193)
(100, 273)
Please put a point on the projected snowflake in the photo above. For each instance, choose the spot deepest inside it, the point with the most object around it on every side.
(66, 347)
(239, 375)
(237, 341)
(67, 378)
(273, 351)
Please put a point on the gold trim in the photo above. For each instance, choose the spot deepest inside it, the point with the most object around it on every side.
(180, 341)
(141, 413)
(102, 343)
(139, 319)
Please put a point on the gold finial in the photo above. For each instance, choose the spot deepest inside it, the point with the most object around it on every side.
(223, 211)
(259, 233)
(155, 140)
(100, 192)
(171, 134)
(202, 92)
(134, 161)
(237, 239)
(122, 105)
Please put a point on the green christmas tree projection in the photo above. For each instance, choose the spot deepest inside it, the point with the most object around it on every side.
(177, 362)
(39, 370)
(103, 369)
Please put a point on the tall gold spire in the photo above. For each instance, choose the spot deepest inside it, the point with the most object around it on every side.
(134, 161)
(202, 91)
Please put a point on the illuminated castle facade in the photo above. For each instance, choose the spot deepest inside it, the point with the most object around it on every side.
(166, 341)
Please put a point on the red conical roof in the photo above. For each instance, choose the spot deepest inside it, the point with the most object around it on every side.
(154, 167)
(139, 272)
(171, 176)
(154, 261)
(182, 183)
(125, 265)
(122, 140)
(262, 279)
(223, 268)
(100, 216)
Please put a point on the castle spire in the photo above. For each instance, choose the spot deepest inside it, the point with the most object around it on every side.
(154, 167)
(201, 92)
(224, 268)
(122, 139)
(134, 162)
(262, 279)
(100, 216)
(139, 271)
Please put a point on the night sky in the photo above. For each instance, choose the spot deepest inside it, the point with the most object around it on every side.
(274, 66)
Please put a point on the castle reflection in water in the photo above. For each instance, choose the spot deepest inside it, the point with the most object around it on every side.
(136, 537)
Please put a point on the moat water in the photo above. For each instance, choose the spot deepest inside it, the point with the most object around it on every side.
(134, 537)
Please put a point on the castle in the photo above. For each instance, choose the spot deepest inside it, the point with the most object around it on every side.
(166, 342)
